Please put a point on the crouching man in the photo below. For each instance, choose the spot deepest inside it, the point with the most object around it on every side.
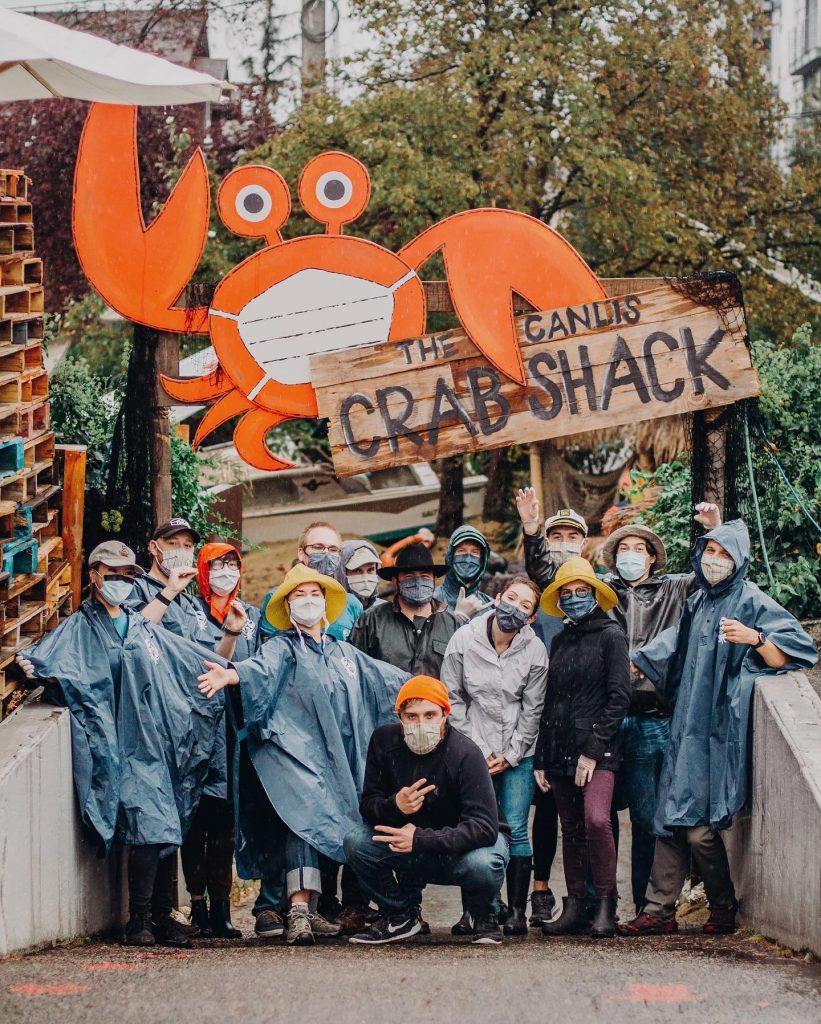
(431, 816)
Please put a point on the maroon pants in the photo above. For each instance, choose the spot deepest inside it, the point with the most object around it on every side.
(587, 833)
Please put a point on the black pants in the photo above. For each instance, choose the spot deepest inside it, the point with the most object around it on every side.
(545, 835)
(353, 898)
(151, 882)
(208, 850)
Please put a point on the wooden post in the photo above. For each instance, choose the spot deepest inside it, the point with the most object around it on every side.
(715, 427)
(167, 361)
(536, 482)
(74, 491)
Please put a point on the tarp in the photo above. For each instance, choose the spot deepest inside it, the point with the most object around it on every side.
(142, 733)
(310, 713)
(705, 777)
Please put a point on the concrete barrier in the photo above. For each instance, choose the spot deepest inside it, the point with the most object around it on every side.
(775, 845)
(53, 887)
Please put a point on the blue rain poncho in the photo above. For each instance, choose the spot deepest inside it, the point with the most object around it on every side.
(185, 615)
(142, 734)
(705, 776)
(309, 713)
(448, 590)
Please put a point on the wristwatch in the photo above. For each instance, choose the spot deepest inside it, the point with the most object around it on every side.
(762, 639)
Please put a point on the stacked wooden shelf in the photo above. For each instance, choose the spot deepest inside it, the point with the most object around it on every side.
(35, 578)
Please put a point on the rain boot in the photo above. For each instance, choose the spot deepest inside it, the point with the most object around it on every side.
(519, 870)
(221, 921)
(573, 919)
(200, 919)
(604, 920)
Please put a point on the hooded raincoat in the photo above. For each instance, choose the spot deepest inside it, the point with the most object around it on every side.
(310, 710)
(705, 777)
(448, 590)
(184, 616)
(142, 734)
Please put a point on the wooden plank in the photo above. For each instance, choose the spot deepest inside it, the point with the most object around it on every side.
(635, 357)
(74, 483)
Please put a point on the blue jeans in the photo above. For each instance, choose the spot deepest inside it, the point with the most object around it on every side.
(394, 881)
(643, 741)
(514, 790)
(299, 872)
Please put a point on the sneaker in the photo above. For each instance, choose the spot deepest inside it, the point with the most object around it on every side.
(463, 926)
(138, 932)
(721, 921)
(647, 924)
(424, 927)
(486, 931)
(169, 932)
(387, 930)
(350, 921)
(319, 926)
(299, 927)
(543, 906)
(269, 925)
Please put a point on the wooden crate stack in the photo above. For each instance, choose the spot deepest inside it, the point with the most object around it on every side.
(35, 578)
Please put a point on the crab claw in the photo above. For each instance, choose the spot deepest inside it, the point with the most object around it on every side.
(138, 270)
(249, 440)
(489, 255)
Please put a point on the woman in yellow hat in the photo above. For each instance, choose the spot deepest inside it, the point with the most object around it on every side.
(588, 694)
(310, 704)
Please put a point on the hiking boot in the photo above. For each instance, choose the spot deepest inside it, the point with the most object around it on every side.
(169, 932)
(220, 917)
(269, 925)
(138, 932)
(463, 926)
(350, 921)
(647, 924)
(200, 919)
(543, 906)
(604, 922)
(319, 926)
(300, 932)
(386, 929)
(487, 931)
(721, 920)
(573, 919)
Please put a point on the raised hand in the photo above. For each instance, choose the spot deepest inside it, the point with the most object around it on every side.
(178, 580)
(527, 505)
(708, 514)
(236, 618)
(399, 840)
(216, 678)
(467, 607)
(409, 799)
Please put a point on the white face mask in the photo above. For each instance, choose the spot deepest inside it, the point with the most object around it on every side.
(176, 558)
(561, 550)
(716, 568)
(223, 581)
(307, 611)
(364, 585)
(422, 737)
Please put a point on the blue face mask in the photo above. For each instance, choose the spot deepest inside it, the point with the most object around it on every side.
(467, 567)
(416, 590)
(116, 591)
(578, 608)
(324, 562)
(509, 618)
(630, 565)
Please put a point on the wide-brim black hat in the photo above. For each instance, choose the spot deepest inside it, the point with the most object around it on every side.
(413, 558)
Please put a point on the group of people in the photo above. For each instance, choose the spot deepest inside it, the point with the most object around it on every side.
(383, 715)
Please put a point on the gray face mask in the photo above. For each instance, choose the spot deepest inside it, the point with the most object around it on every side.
(422, 737)
(416, 590)
(561, 550)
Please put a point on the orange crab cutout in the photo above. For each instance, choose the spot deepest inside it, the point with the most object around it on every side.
(294, 299)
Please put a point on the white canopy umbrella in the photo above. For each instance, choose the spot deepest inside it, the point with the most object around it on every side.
(41, 60)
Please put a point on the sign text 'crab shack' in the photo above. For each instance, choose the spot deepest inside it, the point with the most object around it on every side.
(615, 361)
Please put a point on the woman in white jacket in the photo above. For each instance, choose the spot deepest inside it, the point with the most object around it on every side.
(495, 669)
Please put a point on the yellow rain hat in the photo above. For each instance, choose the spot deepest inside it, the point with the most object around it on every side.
(276, 610)
(576, 568)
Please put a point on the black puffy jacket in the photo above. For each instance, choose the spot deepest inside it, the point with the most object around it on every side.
(588, 695)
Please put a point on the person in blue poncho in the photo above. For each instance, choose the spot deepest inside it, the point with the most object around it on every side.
(466, 560)
(730, 633)
(310, 704)
(142, 734)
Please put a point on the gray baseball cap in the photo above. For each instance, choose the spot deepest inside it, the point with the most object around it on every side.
(115, 555)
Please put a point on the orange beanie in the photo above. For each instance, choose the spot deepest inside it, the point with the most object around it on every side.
(424, 688)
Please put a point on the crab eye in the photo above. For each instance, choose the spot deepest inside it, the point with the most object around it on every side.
(253, 203)
(334, 189)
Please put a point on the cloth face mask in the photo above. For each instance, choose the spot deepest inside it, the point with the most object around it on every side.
(467, 567)
(630, 565)
(716, 568)
(364, 585)
(560, 551)
(116, 591)
(324, 562)
(176, 558)
(509, 618)
(223, 581)
(416, 591)
(307, 611)
(578, 608)
(422, 737)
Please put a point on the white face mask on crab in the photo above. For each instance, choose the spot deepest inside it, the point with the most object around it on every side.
(313, 311)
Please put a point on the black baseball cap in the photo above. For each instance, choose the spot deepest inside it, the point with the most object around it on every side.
(173, 527)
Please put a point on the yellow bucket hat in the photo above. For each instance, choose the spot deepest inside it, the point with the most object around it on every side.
(576, 568)
(276, 611)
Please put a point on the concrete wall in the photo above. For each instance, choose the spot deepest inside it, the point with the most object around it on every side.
(52, 885)
(775, 846)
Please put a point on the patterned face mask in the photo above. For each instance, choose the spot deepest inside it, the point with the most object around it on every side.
(176, 558)
(509, 618)
(578, 608)
(416, 590)
(467, 567)
(716, 568)
(422, 737)
(561, 550)
(323, 562)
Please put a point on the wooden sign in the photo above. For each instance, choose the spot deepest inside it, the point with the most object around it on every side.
(633, 356)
